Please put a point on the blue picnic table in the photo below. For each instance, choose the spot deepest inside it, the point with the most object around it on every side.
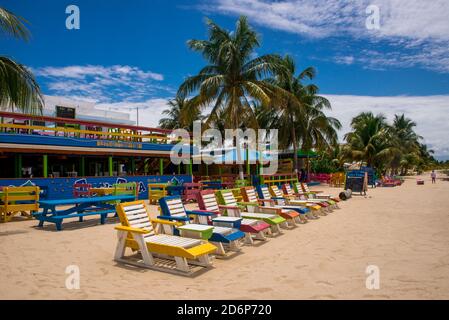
(79, 208)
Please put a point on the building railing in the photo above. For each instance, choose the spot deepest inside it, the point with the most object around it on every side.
(52, 126)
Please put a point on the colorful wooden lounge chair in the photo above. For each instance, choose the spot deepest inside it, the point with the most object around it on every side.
(250, 199)
(311, 197)
(224, 238)
(227, 201)
(18, 200)
(323, 203)
(266, 192)
(154, 239)
(316, 193)
(253, 229)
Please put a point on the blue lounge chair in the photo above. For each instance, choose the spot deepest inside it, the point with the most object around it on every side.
(224, 238)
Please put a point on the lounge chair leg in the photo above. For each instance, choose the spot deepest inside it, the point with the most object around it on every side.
(234, 246)
(146, 256)
(249, 239)
(268, 232)
(220, 249)
(286, 224)
(181, 264)
(276, 229)
(205, 260)
(120, 248)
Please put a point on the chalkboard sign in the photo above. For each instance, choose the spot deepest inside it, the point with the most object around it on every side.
(65, 112)
(357, 184)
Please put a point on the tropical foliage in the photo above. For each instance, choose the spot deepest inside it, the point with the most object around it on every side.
(244, 90)
(18, 88)
(376, 143)
(180, 115)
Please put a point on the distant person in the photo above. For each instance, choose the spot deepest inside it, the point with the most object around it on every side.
(433, 175)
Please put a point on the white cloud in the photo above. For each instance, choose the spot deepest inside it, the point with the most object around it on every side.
(431, 113)
(102, 83)
(150, 111)
(415, 32)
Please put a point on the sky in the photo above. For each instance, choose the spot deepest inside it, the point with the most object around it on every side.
(129, 54)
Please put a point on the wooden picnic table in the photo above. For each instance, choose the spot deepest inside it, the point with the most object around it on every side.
(78, 208)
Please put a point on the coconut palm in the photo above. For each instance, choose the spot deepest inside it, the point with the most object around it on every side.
(233, 78)
(407, 142)
(18, 88)
(371, 140)
(300, 116)
(181, 114)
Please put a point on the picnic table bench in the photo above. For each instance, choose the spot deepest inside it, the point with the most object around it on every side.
(79, 208)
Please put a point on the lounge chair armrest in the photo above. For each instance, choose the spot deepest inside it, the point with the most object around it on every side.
(161, 221)
(228, 207)
(201, 213)
(262, 201)
(131, 229)
(277, 198)
(247, 204)
(270, 210)
(170, 218)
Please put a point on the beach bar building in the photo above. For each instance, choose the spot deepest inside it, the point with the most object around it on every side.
(68, 145)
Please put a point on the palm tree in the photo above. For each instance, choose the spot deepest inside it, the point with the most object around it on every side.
(18, 88)
(299, 117)
(407, 142)
(233, 78)
(371, 140)
(181, 114)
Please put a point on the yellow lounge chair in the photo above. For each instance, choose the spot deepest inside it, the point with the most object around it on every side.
(315, 208)
(18, 200)
(154, 239)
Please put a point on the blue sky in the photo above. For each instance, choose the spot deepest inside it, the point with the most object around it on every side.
(134, 53)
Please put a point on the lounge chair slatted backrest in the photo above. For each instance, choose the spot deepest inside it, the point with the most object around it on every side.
(251, 194)
(209, 202)
(288, 189)
(265, 192)
(135, 215)
(175, 207)
(229, 198)
(276, 191)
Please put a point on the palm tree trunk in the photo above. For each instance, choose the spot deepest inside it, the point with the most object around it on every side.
(295, 151)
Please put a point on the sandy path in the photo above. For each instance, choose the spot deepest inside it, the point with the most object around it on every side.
(404, 231)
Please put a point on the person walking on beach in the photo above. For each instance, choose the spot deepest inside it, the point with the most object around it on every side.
(433, 175)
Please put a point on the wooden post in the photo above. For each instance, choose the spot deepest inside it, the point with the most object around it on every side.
(45, 165)
(110, 166)
(179, 168)
(190, 167)
(161, 166)
(83, 166)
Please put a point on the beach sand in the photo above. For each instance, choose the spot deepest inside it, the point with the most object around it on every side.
(404, 231)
